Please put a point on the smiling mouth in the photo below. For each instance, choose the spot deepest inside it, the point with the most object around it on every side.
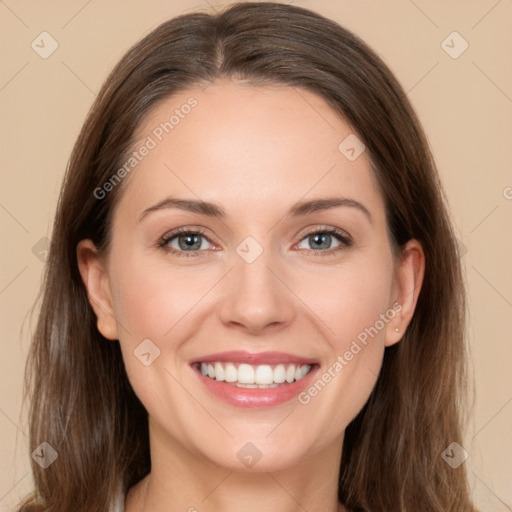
(254, 376)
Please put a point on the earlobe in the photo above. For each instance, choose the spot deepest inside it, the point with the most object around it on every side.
(96, 282)
(408, 281)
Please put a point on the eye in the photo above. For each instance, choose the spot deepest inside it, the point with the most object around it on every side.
(321, 241)
(184, 242)
(192, 242)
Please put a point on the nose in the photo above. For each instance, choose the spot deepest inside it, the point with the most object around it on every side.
(256, 297)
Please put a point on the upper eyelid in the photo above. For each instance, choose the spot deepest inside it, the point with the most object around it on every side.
(183, 231)
(327, 229)
(203, 232)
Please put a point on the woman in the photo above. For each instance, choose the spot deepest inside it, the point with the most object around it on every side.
(253, 297)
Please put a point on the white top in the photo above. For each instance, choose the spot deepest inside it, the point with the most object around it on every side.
(119, 503)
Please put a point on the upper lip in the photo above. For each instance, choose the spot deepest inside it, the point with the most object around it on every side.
(240, 356)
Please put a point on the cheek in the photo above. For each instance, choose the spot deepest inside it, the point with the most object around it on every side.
(354, 301)
(156, 301)
(150, 299)
(153, 302)
(349, 298)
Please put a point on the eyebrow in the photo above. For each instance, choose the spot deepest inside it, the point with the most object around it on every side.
(216, 211)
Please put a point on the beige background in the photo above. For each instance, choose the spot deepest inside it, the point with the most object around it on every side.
(465, 105)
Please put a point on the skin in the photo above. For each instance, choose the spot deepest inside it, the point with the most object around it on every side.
(255, 151)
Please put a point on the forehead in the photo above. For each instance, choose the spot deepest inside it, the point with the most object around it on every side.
(247, 146)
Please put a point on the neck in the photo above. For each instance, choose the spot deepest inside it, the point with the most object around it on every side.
(182, 481)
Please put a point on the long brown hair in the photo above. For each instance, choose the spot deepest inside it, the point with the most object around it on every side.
(82, 403)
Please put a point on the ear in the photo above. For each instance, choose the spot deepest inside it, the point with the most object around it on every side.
(409, 273)
(95, 278)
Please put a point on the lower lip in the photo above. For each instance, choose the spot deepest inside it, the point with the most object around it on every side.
(256, 397)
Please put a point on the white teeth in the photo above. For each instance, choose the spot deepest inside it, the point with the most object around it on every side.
(290, 373)
(253, 386)
(258, 376)
(219, 372)
(279, 374)
(302, 371)
(264, 374)
(246, 374)
(231, 373)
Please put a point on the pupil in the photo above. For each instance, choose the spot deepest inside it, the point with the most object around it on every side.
(318, 238)
(190, 242)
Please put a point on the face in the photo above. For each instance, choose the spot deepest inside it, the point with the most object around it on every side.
(248, 247)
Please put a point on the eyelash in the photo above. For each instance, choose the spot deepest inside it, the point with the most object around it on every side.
(341, 236)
